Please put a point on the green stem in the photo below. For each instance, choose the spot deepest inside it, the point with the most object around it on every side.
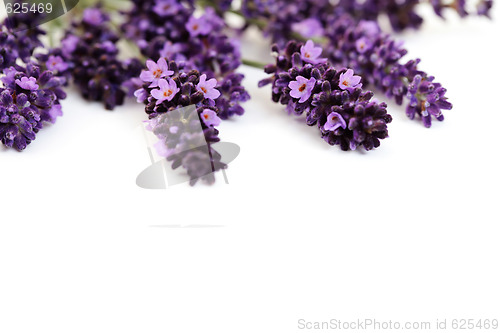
(253, 63)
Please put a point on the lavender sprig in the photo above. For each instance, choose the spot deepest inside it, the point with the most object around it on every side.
(403, 14)
(170, 29)
(31, 90)
(168, 87)
(331, 100)
(90, 46)
(29, 98)
(377, 58)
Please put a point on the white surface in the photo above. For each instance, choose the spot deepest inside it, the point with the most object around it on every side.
(406, 232)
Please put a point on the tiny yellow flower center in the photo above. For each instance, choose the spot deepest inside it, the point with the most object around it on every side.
(167, 93)
(204, 89)
(195, 27)
(302, 87)
(345, 83)
(206, 116)
(307, 55)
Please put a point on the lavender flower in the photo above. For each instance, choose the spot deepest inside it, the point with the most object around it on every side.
(201, 42)
(56, 64)
(180, 143)
(166, 92)
(27, 83)
(156, 72)
(302, 88)
(349, 81)
(403, 14)
(210, 118)
(198, 26)
(310, 53)
(30, 94)
(333, 121)
(207, 88)
(28, 99)
(90, 47)
(379, 63)
(308, 28)
(349, 118)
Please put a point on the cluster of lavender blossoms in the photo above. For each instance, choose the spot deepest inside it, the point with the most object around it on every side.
(377, 58)
(31, 89)
(171, 29)
(90, 47)
(327, 51)
(403, 14)
(353, 42)
(333, 100)
(168, 87)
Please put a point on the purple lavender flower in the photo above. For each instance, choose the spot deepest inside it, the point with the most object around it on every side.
(27, 83)
(349, 118)
(309, 28)
(363, 45)
(202, 43)
(302, 88)
(93, 16)
(207, 88)
(349, 81)
(380, 65)
(172, 51)
(181, 144)
(333, 121)
(27, 103)
(166, 92)
(155, 72)
(166, 7)
(56, 64)
(210, 118)
(20, 35)
(69, 44)
(198, 26)
(90, 47)
(310, 53)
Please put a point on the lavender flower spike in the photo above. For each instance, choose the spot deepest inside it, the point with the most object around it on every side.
(180, 142)
(344, 116)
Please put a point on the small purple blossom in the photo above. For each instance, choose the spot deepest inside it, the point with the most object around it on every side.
(156, 72)
(56, 64)
(93, 16)
(27, 83)
(349, 81)
(141, 95)
(198, 26)
(363, 44)
(172, 51)
(369, 28)
(310, 53)
(207, 88)
(166, 92)
(210, 118)
(166, 7)
(69, 44)
(309, 28)
(302, 88)
(334, 121)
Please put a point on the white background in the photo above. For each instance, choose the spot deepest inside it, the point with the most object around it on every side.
(408, 232)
